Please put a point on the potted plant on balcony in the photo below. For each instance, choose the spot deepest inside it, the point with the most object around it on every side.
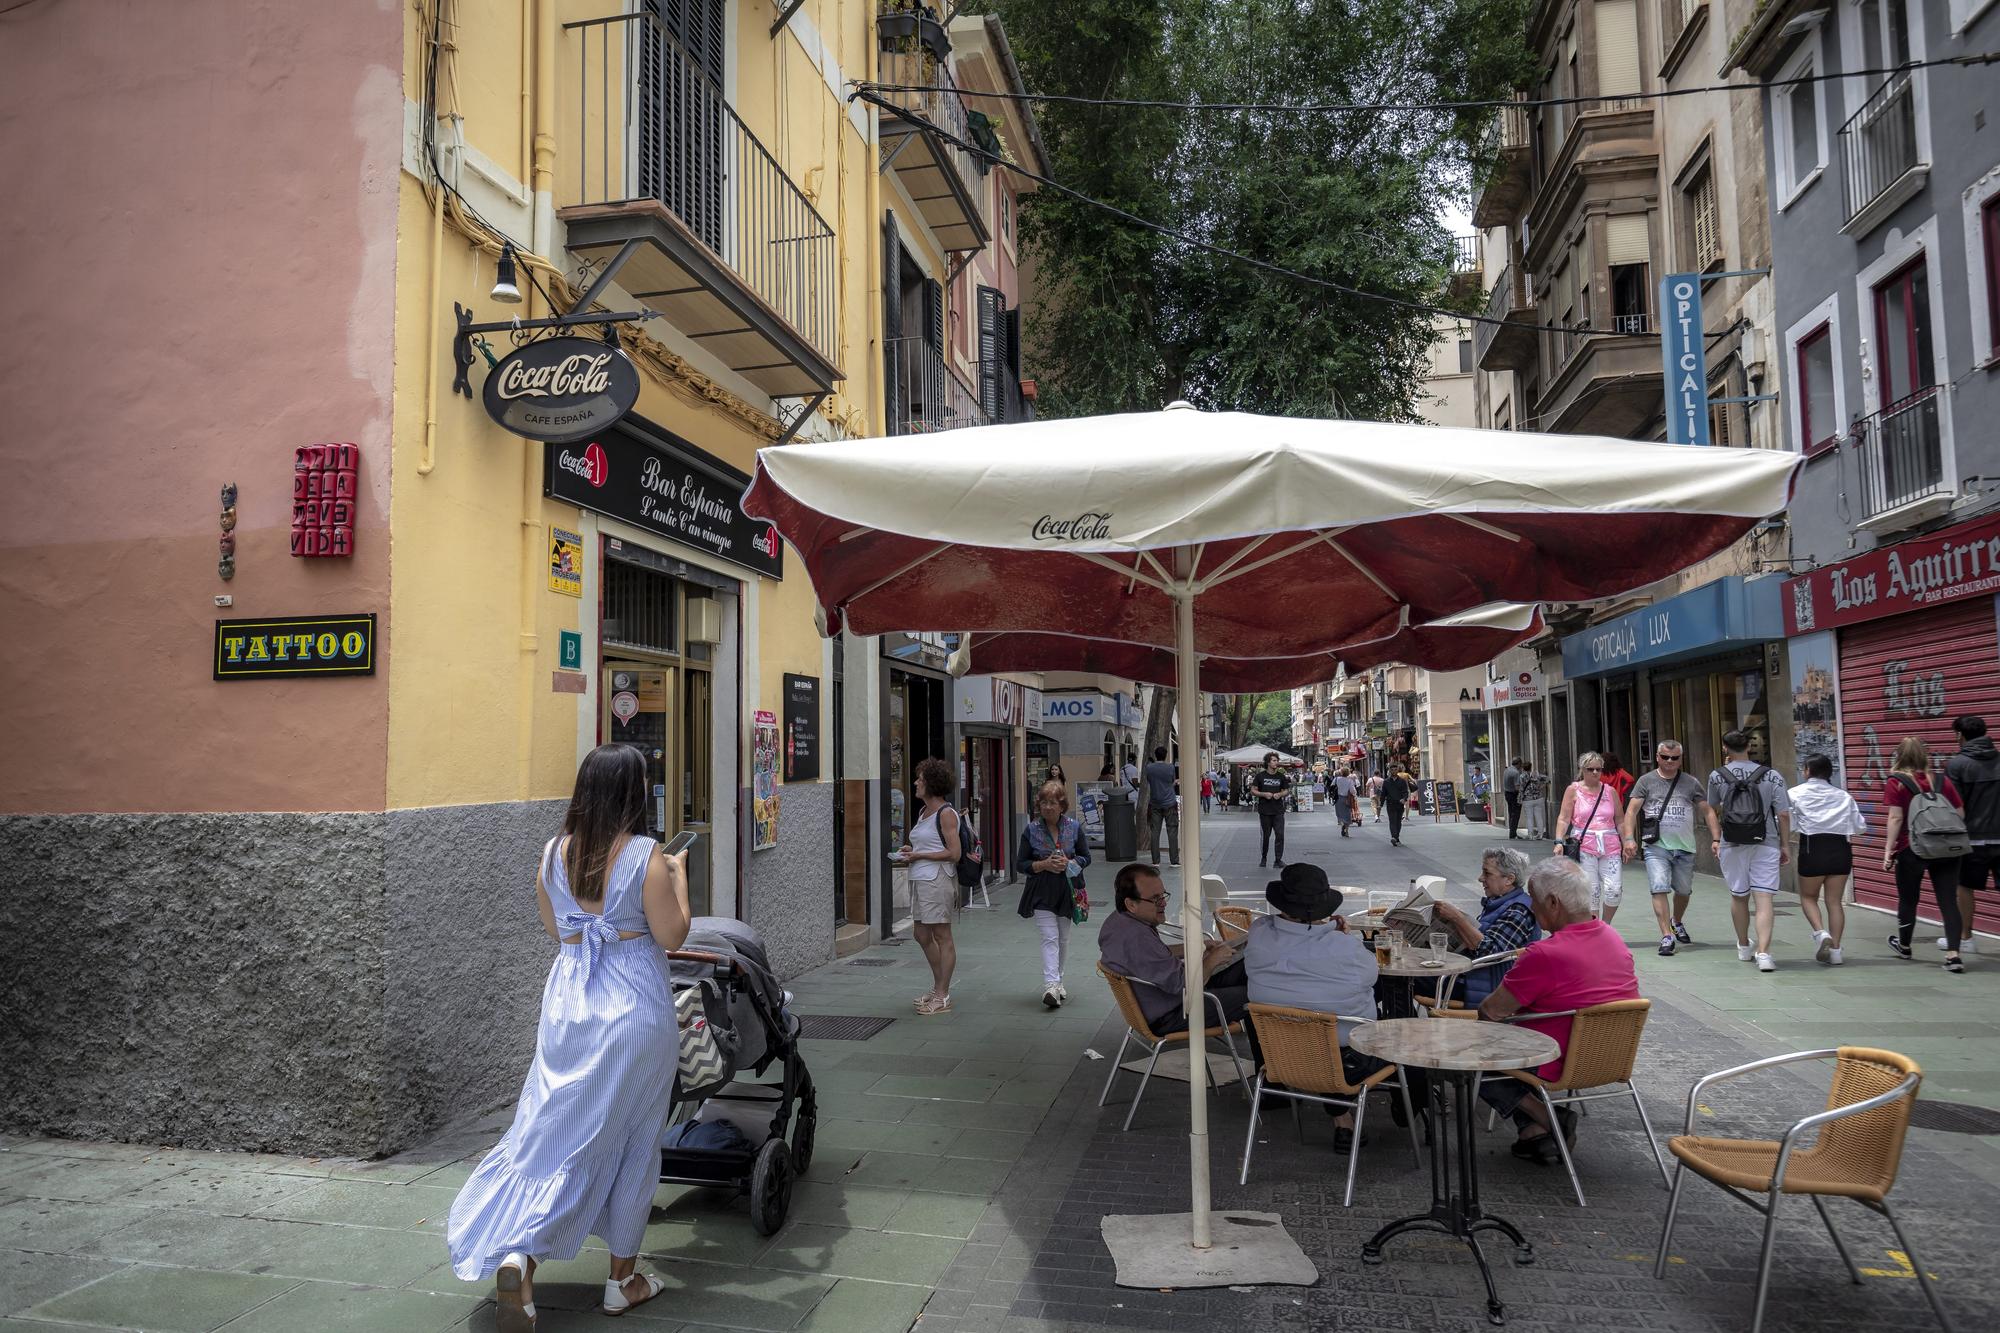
(904, 26)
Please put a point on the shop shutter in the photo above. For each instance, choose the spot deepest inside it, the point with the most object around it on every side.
(1626, 240)
(1617, 48)
(1911, 675)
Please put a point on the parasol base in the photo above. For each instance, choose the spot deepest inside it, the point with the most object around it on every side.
(1250, 1249)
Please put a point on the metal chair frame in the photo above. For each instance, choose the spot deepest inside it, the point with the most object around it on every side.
(1358, 1103)
(1157, 1043)
(1769, 1207)
(1441, 1003)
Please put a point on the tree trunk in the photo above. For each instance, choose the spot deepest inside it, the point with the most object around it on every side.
(1158, 734)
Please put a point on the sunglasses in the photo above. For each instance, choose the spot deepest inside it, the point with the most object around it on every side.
(1598, 768)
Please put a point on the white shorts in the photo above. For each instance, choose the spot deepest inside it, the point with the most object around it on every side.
(1749, 867)
(934, 902)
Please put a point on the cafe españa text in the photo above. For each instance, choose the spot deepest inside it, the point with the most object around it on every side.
(295, 646)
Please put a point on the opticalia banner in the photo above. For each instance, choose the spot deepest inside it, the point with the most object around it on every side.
(1910, 576)
(1683, 348)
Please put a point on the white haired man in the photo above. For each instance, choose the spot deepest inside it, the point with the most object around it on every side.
(1581, 961)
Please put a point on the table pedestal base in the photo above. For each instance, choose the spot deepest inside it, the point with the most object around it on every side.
(1456, 1214)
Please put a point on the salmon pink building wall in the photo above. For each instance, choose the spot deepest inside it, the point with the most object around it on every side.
(200, 216)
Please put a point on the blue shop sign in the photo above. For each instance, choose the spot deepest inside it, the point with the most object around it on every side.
(1732, 612)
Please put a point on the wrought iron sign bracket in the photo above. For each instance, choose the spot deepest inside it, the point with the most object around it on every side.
(786, 9)
(806, 409)
(461, 341)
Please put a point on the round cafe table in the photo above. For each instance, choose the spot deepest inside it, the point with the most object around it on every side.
(1459, 1049)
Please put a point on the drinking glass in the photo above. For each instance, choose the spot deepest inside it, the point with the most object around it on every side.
(1440, 945)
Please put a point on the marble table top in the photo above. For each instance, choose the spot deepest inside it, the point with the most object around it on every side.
(1417, 963)
(1454, 1043)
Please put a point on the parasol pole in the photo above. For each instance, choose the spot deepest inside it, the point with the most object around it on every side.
(1187, 675)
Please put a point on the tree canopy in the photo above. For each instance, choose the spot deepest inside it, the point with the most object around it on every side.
(1129, 319)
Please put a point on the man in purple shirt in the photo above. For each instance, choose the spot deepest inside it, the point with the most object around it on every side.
(1130, 943)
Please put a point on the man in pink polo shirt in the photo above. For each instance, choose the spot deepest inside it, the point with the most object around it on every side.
(1579, 962)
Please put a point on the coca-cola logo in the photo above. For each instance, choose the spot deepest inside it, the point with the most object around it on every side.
(1092, 526)
(765, 542)
(562, 389)
(591, 464)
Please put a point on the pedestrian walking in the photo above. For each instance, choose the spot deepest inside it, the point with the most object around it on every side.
(1927, 838)
(1616, 778)
(1375, 794)
(1825, 818)
(1587, 833)
(1272, 788)
(1055, 774)
(1510, 788)
(1975, 771)
(1345, 800)
(932, 855)
(1659, 827)
(1749, 821)
(1535, 801)
(1207, 790)
(583, 1153)
(1163, 804)
(1055, 851)
(1395, 795)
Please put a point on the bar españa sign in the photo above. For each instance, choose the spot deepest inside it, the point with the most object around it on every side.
(295, 646)
(1683, 353)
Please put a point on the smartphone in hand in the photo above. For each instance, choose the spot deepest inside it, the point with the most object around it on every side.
(680, 843)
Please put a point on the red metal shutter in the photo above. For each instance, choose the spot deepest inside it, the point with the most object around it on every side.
(1911, 675)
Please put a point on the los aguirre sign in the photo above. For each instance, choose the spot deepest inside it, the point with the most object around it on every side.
(295, 646)
(562, 389)
(1910, 576)
(657, 481)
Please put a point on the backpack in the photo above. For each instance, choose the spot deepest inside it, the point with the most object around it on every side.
(1937, 829)
(971, 866)
(1742, 808)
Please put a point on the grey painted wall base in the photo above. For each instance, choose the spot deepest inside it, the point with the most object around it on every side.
(791, 886)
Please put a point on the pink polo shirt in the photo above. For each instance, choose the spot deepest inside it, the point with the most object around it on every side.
(1580, 965)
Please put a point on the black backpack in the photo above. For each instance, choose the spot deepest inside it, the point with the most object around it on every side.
(971, 866)
(1742, 807)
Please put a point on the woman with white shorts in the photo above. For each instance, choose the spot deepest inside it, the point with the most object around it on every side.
(932, 855)
(1591, 808)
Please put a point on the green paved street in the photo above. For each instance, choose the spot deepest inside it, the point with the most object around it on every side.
(921, 1128)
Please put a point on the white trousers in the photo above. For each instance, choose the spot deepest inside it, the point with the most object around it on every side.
(1607, 880)
(1055, 945)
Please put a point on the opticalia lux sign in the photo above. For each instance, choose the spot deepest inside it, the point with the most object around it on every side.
(660, 482)
(1731, 612)
(1684, 356)
(1910, 576)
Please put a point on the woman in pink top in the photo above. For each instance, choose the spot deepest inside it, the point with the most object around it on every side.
(1911, 775)
(1590, 809)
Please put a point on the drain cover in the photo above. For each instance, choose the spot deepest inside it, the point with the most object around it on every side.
(841, 1027)
(873, 962)
(1954, 1117)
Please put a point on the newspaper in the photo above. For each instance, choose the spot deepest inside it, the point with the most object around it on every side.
(1414, 915)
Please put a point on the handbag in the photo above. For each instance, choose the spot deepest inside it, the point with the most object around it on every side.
(1573, 844)
(1079, 898)
(701, 1061)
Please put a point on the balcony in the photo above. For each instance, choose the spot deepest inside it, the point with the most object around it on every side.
(1901, 455)
(1603, 382)
(919, 128)
(1506, 148)
(676, 197)
(1878, 156)
(1508, 344)
(1467, 277)
(925, 394)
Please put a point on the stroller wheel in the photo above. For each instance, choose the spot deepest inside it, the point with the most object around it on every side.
(803, 1128)
(771, 1187)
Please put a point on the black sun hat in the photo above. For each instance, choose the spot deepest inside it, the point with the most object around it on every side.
(1300, 891)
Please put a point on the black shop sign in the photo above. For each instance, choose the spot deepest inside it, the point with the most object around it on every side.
(295, 646)
(655, 480)
(801, 728)
(562, 389)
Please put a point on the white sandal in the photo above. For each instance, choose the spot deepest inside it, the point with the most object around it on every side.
(513, 1315)
(614, 1292)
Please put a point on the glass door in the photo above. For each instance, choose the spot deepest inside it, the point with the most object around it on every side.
(647, 707)
(697, 743)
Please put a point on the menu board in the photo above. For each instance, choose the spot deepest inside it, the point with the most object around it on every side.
(1444, 797)
(801, 728)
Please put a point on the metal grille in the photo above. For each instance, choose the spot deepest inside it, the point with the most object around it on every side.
(1954, 1117)
(638, 608)
(841, 1027)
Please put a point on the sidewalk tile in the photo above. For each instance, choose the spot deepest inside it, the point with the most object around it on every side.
(28, 1279)
(736, 1297)
(875, 1255)
(949, 1215)
(865, 1307)
(62, 1228)
(332, 1253)
(84, 1180)
(176, 1300)
(225, 1192)
(330, 1307)
(401, 1207)
(941, 1089)
(859, 1207)
(957, 1175)
(190, 1239)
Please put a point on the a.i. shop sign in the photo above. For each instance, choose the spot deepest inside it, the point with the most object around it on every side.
(1915, 575)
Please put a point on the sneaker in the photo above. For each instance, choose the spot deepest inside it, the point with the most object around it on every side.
(1832, 958)
(1968, 946)
(1896, 946)
(1765, 963)
(1062, 992)
(1051, 999)
(1823, 943)
(1666, 946)
(1744, 953)
(1681, 933)
(1952, 963)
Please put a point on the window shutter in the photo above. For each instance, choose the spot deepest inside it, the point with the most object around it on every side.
(992, 346)
(1707, 224)
(934, 313)
(1617, 48)
(1010, 386)
(1625, 240)
(892, 323)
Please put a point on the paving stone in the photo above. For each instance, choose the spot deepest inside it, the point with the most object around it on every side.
(400, 1207)
(875, 1255)
(337, 1307)
(208, 1190)
(865, 1307)
(57, 1227)
(932, 1214)
(28, 1279)
(176, 1300)
(85, 1180)
(334, 1253)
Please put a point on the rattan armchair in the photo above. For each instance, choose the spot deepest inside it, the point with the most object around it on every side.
(1856, 1155)
(1232, 923)
(1301, 1049)
(1137, 1028)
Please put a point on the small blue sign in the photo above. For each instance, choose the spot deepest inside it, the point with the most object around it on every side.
(572, 650)
(1683, 350)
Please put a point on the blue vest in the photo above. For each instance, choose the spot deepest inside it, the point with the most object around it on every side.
(1480, 984)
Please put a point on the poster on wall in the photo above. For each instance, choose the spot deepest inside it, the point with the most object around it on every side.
(565, 562)
(801, 728)
(1478, 765)
(764, 782)
(1815, 693)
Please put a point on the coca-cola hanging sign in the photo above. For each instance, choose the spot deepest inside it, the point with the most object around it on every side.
(562, 389)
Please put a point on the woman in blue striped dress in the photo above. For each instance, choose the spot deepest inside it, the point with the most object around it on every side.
(583, 1157)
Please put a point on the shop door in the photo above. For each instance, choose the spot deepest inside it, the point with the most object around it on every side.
(647, 708)
(1910, 676)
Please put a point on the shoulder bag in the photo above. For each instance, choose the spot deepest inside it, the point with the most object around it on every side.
(1573, 844)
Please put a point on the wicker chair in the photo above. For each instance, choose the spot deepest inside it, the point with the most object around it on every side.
(1434, 1005)
(1603, 1046)
(1302, 1063)
(1232, 923)
(1856, 1155)
(1137, 1028)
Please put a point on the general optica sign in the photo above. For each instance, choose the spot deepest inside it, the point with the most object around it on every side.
(1684, 356)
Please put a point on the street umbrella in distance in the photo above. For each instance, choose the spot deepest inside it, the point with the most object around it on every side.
(1241, 537)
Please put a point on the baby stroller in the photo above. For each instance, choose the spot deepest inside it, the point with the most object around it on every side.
(734, 1134)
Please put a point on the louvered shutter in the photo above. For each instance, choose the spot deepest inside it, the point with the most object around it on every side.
(680, 114)
(992, 349)
(892, 322)
(1702, 214)
(1617, 48)
(1010, 375)
(934, 314)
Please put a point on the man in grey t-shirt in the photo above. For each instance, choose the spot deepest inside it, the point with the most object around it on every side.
(1750, 869)
(1665, 801)
(1162, 799)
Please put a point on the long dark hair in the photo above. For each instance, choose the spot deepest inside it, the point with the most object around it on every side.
(609, 802)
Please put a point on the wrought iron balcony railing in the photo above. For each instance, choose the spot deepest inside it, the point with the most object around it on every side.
(925, 394)
(1465, 254)
(1901, 453)
(1878, 144)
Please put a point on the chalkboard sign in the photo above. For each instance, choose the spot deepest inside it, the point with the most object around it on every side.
(1427, 796)
(801, 752)
(1447, 798)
